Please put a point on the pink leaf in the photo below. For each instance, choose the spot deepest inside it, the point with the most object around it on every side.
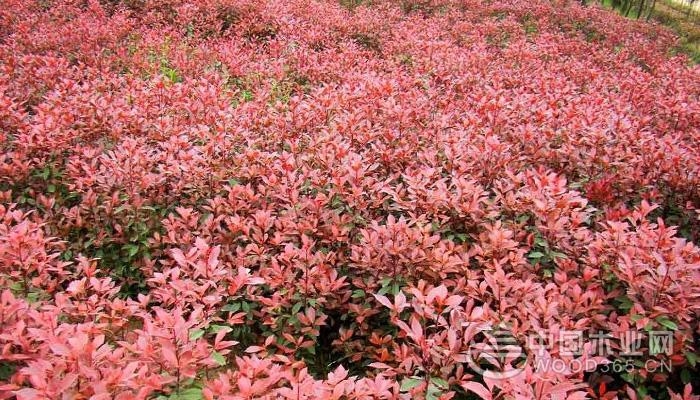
(477, 388)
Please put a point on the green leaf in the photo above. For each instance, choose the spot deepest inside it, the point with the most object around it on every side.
(219, 328)
(395, 288)
(218, 358)
(409, 383)
(667, 323)
(358, 294)
(67, 255)
(522, 218)
(642, 391)
(247, 95)
(7, 370)
(196, 334)
(624, 303)
(692, 358)
(629, 378)
(535, 254)
(188, 394)
(296, 308)
(686, 377)
(233, 307)
(433, 392)
(131, 249)
(439, 382)
(32, 297)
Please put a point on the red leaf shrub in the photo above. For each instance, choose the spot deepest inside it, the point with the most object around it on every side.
(231, 199)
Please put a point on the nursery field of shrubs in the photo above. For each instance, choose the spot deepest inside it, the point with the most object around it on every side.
(346, 199)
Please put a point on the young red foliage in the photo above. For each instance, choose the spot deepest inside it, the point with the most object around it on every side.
(237, 199)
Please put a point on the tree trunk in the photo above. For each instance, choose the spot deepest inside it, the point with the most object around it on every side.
(640, 9)
(651, 9)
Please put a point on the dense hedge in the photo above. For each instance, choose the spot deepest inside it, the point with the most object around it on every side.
(237, 199)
